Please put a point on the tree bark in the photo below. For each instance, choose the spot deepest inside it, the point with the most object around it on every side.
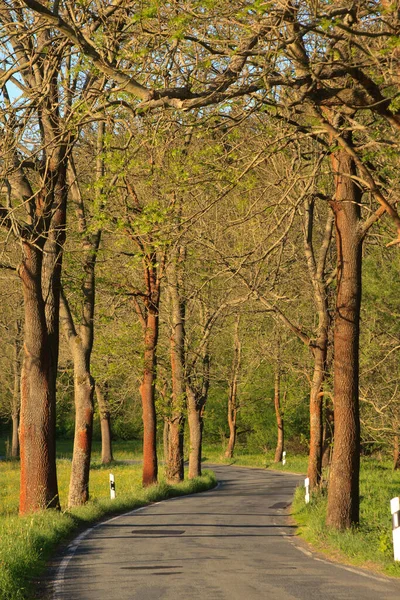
(328, 436)
(80, 338)
(233, 392)
(174, 458)
(343, 494)
(195, 421)
(396, 453)
(52, 266)
(38, 488)
(314, 470)
(166, 439)
(148, 313)
(197, 394)
(319, 346)
(147, 389)
(83, 395)
(105, 425)
(81, 346)
(15, 435)
(279, 418)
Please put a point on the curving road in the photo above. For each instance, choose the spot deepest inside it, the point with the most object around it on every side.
(232, 543)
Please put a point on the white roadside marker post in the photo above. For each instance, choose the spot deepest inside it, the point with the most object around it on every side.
(284, 457)
(112, 487)
(307, 486)
(395, 510)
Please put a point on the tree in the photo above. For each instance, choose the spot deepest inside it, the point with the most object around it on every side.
(79, 331)
(324, 71)
(175, 420)
(233, 391)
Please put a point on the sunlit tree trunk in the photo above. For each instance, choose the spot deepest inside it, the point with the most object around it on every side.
(174, 458)
(147, 392)
(80, 338)
(38, 488)
(233, 393)
(278, 414)
(83, 395)
(343, 494)
(196, 406)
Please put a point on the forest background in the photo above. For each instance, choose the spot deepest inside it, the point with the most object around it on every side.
(201, 198)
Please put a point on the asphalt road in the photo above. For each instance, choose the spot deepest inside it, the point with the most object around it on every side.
(232, 543)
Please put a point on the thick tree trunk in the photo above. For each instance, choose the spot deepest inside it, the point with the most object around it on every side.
(396, 453)
(233, 392)
(174, 459)
(39, 488)
(83, 394)
(343, 494)
(105, 426)
(147, 389)
(279, 418)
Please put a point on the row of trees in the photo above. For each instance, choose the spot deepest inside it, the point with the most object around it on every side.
(271, 116)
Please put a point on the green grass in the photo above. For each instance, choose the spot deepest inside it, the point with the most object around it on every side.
(369, 544)
(28, 542)
(294, 463)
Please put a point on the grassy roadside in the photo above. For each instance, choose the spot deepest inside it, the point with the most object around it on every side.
(368, 545)
(27, 543)
(294, 463)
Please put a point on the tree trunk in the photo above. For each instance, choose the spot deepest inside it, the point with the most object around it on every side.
(51, 272)
(166, 439)
(233, 391)
(150, 469)
(105, 425)
(319, 346)
(174, 459)
(80, 338)
(15, 437)
(174, 467)
(343, 494)
(314, 470)
(195, 421)
(81, 344)
(396, 453)
(83, 395)
(38, 488)
(279, 418)
(327, 437)
(232, 418)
